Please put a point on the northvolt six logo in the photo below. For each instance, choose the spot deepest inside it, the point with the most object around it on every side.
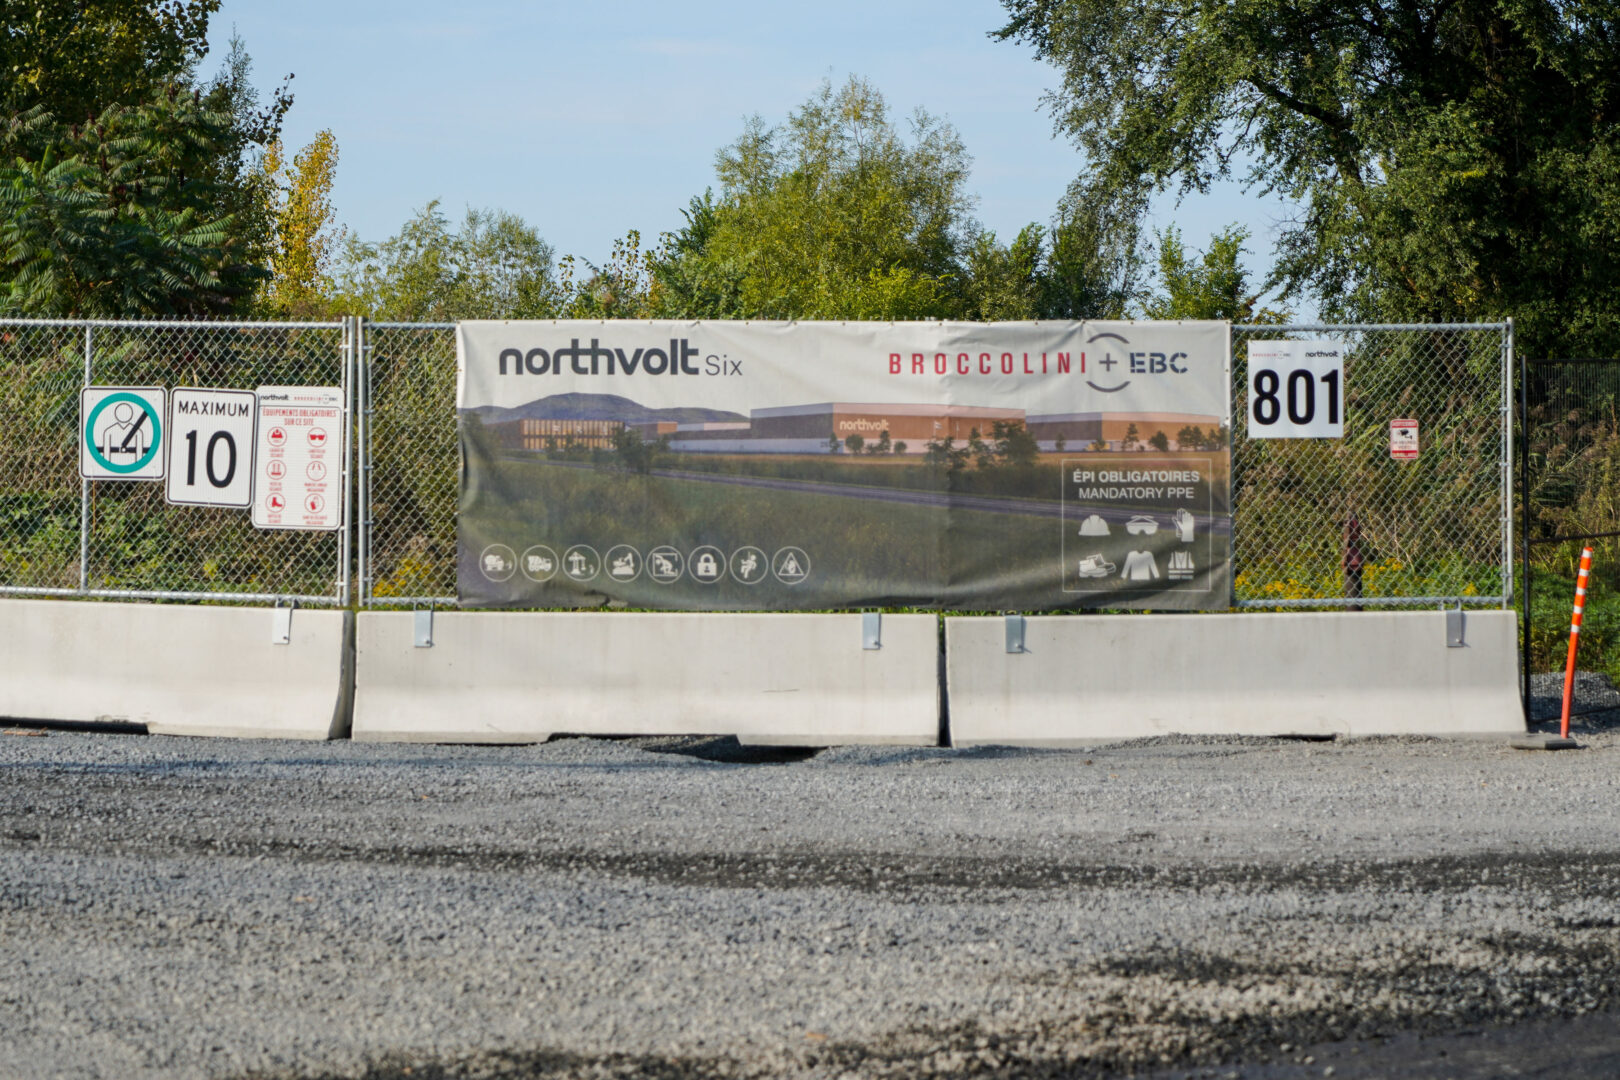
(1136, 363)
(596, 359)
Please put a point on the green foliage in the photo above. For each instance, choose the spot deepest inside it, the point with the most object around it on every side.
(623, 289)
(1454, 161)
(836, 214)
(127, 187)
(73, 58)
(1214, 286)
(841, 214)
(495, 266)
(1014, 444)
(121, 216)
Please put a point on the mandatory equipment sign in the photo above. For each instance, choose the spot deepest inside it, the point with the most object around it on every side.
(121, 433)
(299, 475)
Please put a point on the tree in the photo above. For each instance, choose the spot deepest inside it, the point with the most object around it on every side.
(835, 214)
(301, 210)
(900, 447)
(853, 443)
(119, 217)
(1453, 161)
(625, 288)
(1131, 434)
(128, 186)
(1159, 441)
(883, 446)
(495, 266)
(1214, 286)
(73, 58)
(1004, 282)
(982, 453)
(1014, 443)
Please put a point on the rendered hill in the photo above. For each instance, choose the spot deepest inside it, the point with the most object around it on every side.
(598, 407)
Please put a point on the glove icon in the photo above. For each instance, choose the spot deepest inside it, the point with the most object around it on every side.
(1184, 526)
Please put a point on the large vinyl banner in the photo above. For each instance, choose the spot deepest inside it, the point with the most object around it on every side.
(732, 465)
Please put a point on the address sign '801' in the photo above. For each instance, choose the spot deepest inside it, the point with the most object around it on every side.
(1296, 390)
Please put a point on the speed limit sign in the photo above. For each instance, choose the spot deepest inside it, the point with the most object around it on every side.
(1296, 390)
(211, 448)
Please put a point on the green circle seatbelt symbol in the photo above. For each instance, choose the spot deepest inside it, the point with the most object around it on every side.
(90, 433)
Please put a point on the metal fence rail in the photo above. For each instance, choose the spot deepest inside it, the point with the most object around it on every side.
(63, 536)
(1338, 523)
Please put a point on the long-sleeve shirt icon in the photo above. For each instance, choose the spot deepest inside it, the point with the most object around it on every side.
(1140, 566)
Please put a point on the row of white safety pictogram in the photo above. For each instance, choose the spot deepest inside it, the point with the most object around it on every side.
(706, 565)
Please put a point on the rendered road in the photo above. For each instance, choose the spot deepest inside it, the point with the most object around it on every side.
(1242, 908)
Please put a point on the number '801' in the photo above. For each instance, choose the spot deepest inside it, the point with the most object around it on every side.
(1296, 394)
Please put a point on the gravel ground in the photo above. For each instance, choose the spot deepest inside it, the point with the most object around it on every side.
(1249, 908)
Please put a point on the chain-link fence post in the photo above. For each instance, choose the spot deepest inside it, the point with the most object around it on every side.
(84, 485)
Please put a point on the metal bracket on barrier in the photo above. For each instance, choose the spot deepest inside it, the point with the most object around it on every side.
(424, 628)
(1015, 633)
(1454, 628)
(871, 630)
(281, 624)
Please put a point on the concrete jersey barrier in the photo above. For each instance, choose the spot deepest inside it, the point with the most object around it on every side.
(1085, 678)
(177, 669)
(502, 677)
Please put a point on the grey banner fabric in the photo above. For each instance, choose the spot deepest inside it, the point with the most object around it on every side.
(813, 465)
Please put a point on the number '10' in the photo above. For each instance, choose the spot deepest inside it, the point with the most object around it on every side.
(208, 459)
(1301, 396)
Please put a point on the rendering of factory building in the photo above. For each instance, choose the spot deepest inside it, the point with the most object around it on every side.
(826, 427)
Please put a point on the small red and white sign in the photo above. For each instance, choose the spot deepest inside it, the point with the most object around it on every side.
(1403, 439)
(299, 481)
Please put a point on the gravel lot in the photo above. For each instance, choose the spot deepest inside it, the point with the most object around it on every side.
(688, 908)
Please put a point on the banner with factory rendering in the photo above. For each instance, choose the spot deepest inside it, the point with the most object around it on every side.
(813, 465)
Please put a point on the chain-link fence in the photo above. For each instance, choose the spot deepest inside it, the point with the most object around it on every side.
(1344, 523)
(1317, 522)
(63, 536)
(409, 457)
(1570, 494)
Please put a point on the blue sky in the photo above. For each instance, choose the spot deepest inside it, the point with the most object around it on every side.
(592, 119)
